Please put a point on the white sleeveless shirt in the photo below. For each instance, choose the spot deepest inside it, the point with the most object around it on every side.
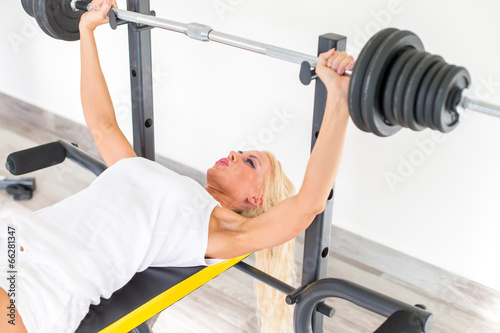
(136, 214)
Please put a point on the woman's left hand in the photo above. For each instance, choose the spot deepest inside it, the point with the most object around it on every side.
(97, 15)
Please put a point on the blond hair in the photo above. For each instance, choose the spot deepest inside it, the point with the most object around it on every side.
(275, 316)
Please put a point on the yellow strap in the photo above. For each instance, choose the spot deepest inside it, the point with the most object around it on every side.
(169, 297)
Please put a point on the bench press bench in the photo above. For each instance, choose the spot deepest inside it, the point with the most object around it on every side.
(151, 291)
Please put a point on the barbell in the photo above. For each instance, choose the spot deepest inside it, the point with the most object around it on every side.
(394, 83)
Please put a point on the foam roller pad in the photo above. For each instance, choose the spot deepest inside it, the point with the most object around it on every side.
(36, 158)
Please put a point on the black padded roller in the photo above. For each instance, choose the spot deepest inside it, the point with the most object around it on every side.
(36, 158)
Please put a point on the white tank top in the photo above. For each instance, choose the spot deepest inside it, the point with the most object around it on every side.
(136, 214)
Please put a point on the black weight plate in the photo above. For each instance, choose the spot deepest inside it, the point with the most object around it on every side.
(432, 93)
(390, 85)
(358, 74)
(32, 7)
(401, 86)
(423, 89)
(28, 6)
(40, 21)
(58, 18)
(445, 118)
(66, 21)
(371, 107)
(40, 14)
(412, 88)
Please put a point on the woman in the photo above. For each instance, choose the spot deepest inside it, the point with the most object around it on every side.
(92, 243)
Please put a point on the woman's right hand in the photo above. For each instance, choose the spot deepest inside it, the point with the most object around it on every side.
(331, 68)
(98, 14)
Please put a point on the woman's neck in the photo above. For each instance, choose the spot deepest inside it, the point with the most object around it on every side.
(225, 200)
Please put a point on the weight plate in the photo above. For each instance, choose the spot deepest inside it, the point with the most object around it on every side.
(422, 91)
(371, 107)
(445, 118)
(58, 18)
(401, 87)
(412, 88)
(32, 7)
(28, 6)
(40, 21)
(358, 74)
(432, 93)
(390, 85)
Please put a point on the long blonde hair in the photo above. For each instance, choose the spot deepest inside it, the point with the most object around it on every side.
(275, 316)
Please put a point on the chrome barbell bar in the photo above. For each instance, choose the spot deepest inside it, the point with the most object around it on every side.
(205, 33)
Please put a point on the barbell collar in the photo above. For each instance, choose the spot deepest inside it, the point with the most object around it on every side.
(198, 31)
(205, 33)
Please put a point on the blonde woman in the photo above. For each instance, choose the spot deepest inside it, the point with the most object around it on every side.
(138, 214)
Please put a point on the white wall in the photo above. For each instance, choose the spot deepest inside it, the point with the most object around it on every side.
(210, 99)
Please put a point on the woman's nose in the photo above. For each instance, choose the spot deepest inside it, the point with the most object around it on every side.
(233, 156)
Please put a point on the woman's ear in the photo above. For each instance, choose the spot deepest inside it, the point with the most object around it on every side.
(256, 201)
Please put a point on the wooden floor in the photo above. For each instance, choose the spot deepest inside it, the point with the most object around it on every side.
(226, 304)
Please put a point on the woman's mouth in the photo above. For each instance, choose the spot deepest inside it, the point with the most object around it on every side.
(223, 162)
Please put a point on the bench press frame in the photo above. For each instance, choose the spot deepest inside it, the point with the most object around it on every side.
(309, 309)
(317, 236)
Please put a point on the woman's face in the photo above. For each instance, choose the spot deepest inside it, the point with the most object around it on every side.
(241, 176)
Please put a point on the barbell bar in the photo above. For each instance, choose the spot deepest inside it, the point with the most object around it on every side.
(394, 83)
(206, 33)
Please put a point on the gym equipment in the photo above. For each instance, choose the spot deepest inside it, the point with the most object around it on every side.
(148, 292)
(50, 154)
(393, 75)
(156, 288)
(391, 86)
(19, 189)
(153, 290)
(35, 158)
(308, 298)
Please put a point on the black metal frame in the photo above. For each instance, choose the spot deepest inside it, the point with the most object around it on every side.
(18, 188)
(317, 236)
(141, 82)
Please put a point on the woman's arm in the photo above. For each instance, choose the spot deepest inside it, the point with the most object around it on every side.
(96, 102)
(293, 215)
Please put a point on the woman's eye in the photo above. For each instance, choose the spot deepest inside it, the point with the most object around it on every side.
(249, 161)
